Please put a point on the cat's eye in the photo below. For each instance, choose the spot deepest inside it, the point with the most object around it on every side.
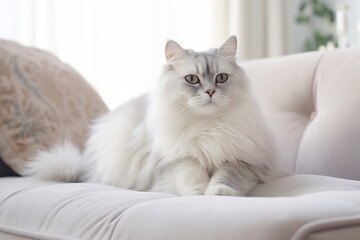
(192, 79)
(221, 78)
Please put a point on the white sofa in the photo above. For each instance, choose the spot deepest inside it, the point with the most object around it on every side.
(313, 101)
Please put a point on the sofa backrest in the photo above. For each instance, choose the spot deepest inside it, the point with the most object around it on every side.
(313, 102)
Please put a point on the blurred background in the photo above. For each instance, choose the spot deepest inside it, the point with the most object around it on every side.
(118, 45)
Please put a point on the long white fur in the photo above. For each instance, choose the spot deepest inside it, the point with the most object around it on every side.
(177, 139)
(61, 163)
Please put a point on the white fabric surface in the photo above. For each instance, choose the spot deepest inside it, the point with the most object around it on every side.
(313, 101)
(95, 211)
(330, 229)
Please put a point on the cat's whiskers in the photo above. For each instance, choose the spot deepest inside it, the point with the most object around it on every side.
(179, 108)
(197, 100)
(222, 100)
(233, 104)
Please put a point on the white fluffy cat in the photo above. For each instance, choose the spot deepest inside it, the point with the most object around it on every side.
(200, 131)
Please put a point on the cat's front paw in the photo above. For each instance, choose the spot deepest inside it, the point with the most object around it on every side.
(221, 189)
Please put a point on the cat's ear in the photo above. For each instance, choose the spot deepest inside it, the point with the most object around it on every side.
(228, 49)
(173, 51)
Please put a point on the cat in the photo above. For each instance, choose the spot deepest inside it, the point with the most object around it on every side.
(200, 131)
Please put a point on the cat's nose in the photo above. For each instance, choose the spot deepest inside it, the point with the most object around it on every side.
(210, 92)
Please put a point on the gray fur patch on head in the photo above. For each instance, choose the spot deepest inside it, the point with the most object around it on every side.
(207, 96)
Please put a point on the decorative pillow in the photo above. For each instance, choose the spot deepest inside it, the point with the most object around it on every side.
(43, 101)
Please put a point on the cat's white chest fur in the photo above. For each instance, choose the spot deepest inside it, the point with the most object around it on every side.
(211, 141)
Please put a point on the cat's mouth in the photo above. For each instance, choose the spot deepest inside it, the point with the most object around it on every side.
(211, 102)
(208, 105)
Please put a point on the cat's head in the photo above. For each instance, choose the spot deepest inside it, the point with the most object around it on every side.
(205, 83)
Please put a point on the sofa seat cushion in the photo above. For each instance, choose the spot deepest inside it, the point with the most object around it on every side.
(300, 206)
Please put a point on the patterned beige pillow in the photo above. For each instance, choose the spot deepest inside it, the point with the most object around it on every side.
(42, 102)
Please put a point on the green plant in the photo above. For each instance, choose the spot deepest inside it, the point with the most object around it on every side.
(309, 12)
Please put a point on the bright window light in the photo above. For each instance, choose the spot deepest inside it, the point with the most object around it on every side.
(118, 46)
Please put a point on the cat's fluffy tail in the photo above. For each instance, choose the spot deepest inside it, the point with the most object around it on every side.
(61, 163)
